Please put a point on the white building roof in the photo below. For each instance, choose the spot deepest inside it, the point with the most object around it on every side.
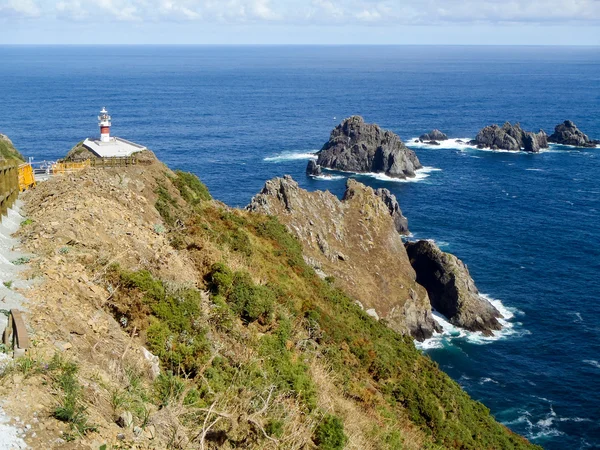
(116, 147)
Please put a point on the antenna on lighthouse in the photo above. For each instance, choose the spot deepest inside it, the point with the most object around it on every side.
(104, 123)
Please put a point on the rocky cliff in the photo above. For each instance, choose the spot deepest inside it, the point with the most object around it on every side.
(451, 289)
(567, 133)
(510, 137)
(356, 241)
(164, 319)
(355, 146)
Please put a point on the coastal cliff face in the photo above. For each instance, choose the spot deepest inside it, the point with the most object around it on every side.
(356, 241)
(451, 289)
(511, 137)
(165, 319)
(355, 146)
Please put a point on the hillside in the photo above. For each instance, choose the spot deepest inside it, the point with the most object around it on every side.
(8, 150)
(254, 349)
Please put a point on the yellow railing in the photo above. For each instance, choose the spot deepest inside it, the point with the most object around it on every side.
(26, 177)
(61, 168)
(9, 185)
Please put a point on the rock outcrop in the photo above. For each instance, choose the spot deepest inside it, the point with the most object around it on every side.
(356, 241)
(434, 135)
(355, 146)
(510, 137)
(567, 133)
(313, 168)
(451, 289)
(400, 222)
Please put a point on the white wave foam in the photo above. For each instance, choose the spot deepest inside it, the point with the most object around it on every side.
(420, 175)
(453, 144)
(536, 170)
(487, 380)
(450, 332)
(592, 362)
(328, 177)
(291, 156)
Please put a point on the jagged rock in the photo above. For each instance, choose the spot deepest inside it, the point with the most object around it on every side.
(313, 168)
(356, 241)
(510, 137)
(567, 133)
(451, 289)
(435, 135)
(533, 142)
(355, 146)
(400, 222)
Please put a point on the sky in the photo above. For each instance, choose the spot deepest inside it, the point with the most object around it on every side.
(273, 22)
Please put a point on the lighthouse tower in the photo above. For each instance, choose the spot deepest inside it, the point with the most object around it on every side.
(104, 119)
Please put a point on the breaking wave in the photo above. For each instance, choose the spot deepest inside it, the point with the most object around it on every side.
(420, 175)
(450, 332)
(291, 156)
(455, 144)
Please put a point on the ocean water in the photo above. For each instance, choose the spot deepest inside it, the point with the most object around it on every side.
(528, 226)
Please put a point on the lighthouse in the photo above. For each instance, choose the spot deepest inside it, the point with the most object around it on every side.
(104, 119)
(110, 147)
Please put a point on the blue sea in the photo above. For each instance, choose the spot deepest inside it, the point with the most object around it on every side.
(528, 226)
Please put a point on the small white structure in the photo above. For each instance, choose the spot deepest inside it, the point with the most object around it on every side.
(104, 119)
(110, 147)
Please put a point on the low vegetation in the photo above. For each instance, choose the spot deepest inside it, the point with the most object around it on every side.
(239, 350)
(8, 151)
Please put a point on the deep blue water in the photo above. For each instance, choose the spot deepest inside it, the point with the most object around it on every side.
(527, 225)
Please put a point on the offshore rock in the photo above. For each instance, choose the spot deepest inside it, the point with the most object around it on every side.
(313, 168)
(451, 289)
(434, 135)
(356, 241)
(567, 133)
(533, 142)
(355, 146)
(510, 137)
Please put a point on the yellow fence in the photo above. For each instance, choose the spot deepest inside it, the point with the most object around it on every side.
(9, 185)
(68, 167)
(26, 177)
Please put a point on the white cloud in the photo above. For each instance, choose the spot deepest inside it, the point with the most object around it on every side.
(321, 12)
(19, 8)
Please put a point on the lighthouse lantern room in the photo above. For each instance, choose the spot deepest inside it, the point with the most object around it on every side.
(104, 119)
(110, 147)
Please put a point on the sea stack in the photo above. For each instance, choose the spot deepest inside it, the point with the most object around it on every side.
(510, 137)
(567, 133)
(451, 289)
(355, 146)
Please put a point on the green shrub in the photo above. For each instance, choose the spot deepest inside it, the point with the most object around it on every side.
(191, 188)
(70, 408)
(249, 301)
(165, 204)
(168, 388)
(329, 434)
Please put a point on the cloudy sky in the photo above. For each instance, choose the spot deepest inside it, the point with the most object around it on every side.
(300, 22)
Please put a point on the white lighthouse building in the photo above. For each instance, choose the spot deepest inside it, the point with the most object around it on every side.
(104, 119)
(107, 146)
